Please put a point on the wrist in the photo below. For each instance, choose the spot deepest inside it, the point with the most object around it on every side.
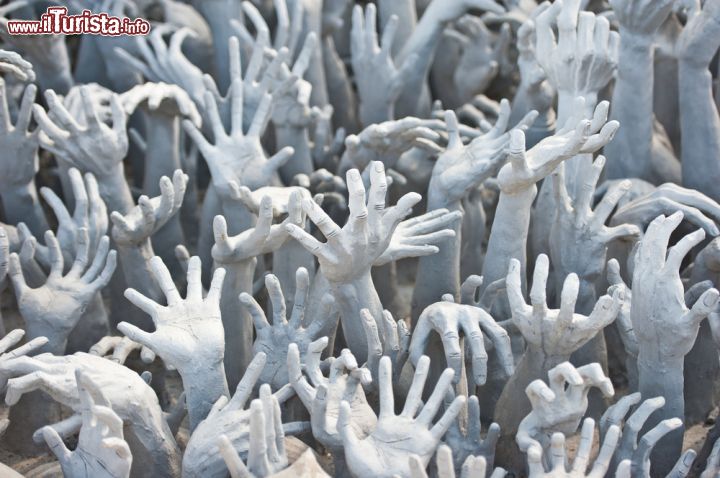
(115, 191)
(636, 41)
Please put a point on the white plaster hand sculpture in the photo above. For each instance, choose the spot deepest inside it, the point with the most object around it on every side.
(464, 435)
(188, 334)
(697, 208)
(385, 451)
(379, 78)
(90, 213)
(101, 450)
(128, 395)
(11, 339)
(579, 238)
(665, 327)
(11, 62)
(448, 320)
(388, 140)
(350, 252)
(238, 155)
(631, 154)
(85, 143)
(161, 98)
(457, 171)
(394, 342)
(558, 460)
(20, 163)
(273, 340)
(631, 450)
(517, 179)
(561, 406)
(230, 418)
(322, 396)
(133, 230)
(584, 58)
(237, 254)
(53, 309)
(166, 63)
(118, 349)
(266, 453)
(473, 466)
(552, 335)
(420, 236)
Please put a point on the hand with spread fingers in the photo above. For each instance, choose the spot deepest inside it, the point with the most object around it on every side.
(322, 396)
(273, 340)
(560, 406)
(86, 143)
(118, 349)
(379, 78)
(101, 449)
(665, 327)
(20, 162)
(385, 451)
(53, 309)
(188, 334)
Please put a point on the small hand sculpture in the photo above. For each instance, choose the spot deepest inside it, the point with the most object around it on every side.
(394, 343)
(273, 340)
(322, 396)
(166, 63)
(379, 80)
(188, 335)
(558, 458)
(420, 236)
(238, 156)
(11, 339)
(578, 136)
(12, 62)
(145, 219)
(473, 466)
(85, 143)
(561, 406)
(385, 451)
(448, 320)
(579, 237)
(170, 100)
(90, 213)
(101, 450)
(667, 199)
(461, 167)
(121, 348)
(262, 239)
(585, 57)
(346, 255)
(54, 309)
(630, 449)
(266, 454)
(20, 162)
(468, 443)
(387, 141)
(661, 320)
(556, 332)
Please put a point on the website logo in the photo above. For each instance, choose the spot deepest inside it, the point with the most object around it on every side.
(56, 21)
